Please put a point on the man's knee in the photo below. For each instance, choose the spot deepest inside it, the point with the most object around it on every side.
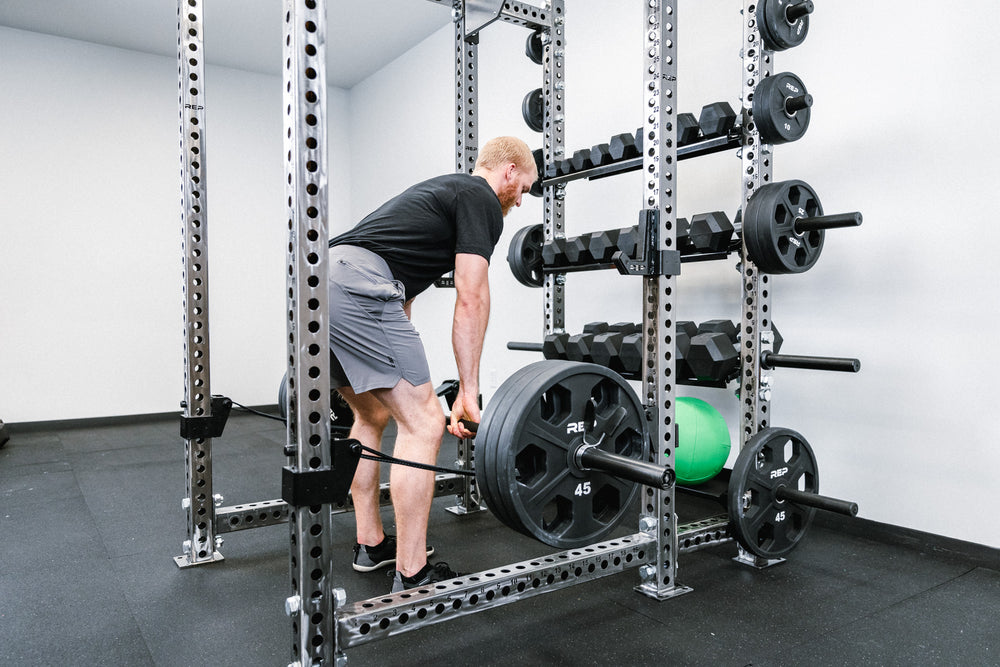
(368, 411)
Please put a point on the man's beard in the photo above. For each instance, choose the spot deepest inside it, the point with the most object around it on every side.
(508, 197)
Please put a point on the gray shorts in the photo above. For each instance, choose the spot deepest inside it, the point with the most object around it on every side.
(373, 345)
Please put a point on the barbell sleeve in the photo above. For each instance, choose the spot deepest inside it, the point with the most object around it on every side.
(794, 12)
(844, 365)
(793, 104)
(808, 499)
(524, 347)
(621, 466)
(838, 220)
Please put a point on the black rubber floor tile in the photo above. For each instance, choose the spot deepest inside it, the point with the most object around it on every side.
(38, 487)
(47, 534)
(118, 436)
(137, 507)
(30, 449)
(107, 459)
(71, 612)
(229, 613)
(950, 624)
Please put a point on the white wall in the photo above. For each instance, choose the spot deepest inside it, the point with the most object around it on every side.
(900, 131)
(91, 319)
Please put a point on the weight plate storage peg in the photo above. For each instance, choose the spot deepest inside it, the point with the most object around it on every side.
(783, 23)
(541, 424)
(775, 243)
(525, 256)
(763, 523)
(781, 108)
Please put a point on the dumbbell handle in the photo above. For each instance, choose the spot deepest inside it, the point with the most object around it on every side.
(828, 222)
(642, 472)
(524, 347)
(772, 360)
(815, 500)
(794, 12)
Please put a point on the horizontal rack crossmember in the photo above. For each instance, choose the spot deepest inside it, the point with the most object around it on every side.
(379, 618)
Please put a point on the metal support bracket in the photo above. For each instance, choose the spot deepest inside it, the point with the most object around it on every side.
(305, 488)
(649, 260)
(208, 426)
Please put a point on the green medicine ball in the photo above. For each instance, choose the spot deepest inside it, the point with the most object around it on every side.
(703, 441)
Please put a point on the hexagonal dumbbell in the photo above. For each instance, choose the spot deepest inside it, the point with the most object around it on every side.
(564, 167)
(625, 328)
(581, 160)
(685, 331)
(603, 245)
(716, 119)
(595, 327)
(711, 232)
(604, 349)
(554, 345)
(727, 327)
(688, 129)
(554, 253)
(712, 356)
(630, 355)
(684, 237)
(628, 240)
(622, 147)
(600, 155)
(578, 347)
(578, 250)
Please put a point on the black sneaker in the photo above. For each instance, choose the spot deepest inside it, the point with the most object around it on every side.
(368, 558)
(429, 574)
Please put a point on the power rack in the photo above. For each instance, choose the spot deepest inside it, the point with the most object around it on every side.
(324, 624)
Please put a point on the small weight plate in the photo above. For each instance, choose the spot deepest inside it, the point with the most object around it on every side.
(533, 47)
(760, 522)
(551, 499)
(533, 110)
(341, 415)
(776, 30)
(525, 256)
(769, 232)
(776, 124)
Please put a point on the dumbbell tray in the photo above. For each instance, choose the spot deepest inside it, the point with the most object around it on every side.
(704, 147)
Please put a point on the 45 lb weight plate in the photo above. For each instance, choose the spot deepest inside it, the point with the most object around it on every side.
(760, 521)
(526, 446)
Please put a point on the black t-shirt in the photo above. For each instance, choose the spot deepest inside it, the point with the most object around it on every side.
(419, 232)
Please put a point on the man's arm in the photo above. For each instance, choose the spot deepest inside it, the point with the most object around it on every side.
(472, 313)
